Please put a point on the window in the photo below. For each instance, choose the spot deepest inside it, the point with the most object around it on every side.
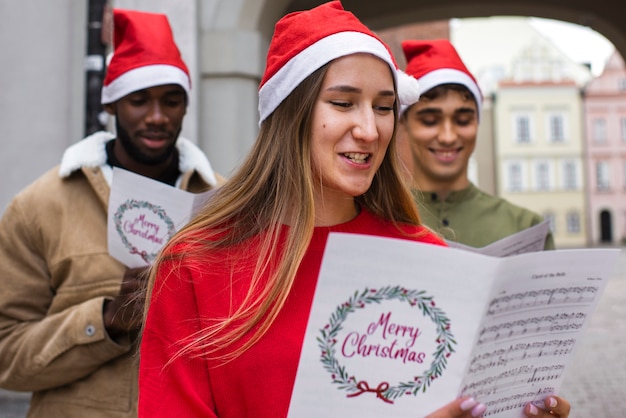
(570, 175)
(542, 177)
(621, 84)
(598, 127)
(573, 222)
(522, 129)
(556, 129)
(602, 176)
(515, 177)
(622, 124)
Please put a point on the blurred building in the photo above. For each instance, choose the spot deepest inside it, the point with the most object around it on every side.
(539, 137)
(605, 125)
(540, 154)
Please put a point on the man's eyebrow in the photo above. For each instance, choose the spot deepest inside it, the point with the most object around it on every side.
(434, 110)
(175, 92)
(428, 110)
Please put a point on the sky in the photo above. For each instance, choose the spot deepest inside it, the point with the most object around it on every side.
(580, 43)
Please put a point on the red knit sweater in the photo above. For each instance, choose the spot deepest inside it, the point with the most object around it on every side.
(256, 384)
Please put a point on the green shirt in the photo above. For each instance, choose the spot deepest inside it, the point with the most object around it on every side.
(475, 218)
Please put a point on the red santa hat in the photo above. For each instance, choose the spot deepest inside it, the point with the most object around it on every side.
(144, 55)
(307, 40)
(436, 62)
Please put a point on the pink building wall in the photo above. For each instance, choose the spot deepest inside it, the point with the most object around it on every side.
(605, 140)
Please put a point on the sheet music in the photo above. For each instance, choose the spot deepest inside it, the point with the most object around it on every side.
(529, 240)
(530, 331)
(400, 328)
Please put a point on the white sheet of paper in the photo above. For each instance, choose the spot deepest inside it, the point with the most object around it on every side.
(394, 323)
(529, 240)
(540, 306)
(143, 214)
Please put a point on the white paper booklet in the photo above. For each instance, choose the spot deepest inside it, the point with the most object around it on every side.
(399, 328)
(144, 214)
(529, 240)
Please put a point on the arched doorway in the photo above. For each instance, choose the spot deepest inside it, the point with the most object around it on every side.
(606, 227)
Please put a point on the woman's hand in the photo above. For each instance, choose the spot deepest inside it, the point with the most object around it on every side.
(555, 406)
(460, 408)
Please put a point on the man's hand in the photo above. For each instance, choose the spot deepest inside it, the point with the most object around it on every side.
(125, 312)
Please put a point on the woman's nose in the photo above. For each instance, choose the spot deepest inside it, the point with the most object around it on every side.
(366, 128)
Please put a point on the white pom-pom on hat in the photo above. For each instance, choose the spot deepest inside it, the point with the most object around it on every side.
(408, 90)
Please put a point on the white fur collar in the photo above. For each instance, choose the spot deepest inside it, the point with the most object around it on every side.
(91, 152)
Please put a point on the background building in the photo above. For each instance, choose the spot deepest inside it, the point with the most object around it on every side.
(605, 133)
(540, 154)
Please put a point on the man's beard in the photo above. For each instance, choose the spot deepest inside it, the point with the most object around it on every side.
(135, 152)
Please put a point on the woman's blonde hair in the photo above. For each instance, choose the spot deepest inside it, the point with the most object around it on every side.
(274, 186)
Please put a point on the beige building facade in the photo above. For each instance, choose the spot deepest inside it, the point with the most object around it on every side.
(540, 154)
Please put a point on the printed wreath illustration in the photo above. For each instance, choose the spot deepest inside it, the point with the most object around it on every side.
(340, 376)
(141, 204)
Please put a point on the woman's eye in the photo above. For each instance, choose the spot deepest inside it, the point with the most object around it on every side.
(384, 108)
(340, 104)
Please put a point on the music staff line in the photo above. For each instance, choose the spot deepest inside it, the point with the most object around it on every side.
(512, 379)
(573, 295)
(545, 324)
(520, 352)
(516, 401)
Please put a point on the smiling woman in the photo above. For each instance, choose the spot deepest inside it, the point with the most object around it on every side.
(352, 125)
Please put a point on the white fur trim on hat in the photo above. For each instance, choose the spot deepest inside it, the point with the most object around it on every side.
(287, 78)
(448, 76)
(142, 78)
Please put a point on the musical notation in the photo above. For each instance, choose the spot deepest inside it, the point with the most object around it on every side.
(525, 342)
(516, 401)
(543, 297)
(502, 357)
(530, 326)
(511, 378)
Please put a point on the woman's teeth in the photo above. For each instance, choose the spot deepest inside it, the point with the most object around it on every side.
(357, 157)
